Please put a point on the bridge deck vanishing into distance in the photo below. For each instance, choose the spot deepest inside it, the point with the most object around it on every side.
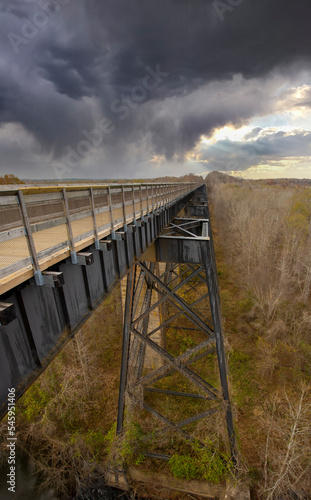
(42, 225)
(63, 249)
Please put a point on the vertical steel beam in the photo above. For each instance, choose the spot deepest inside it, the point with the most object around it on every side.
(125, 346)
(210, 271)
(31, 244)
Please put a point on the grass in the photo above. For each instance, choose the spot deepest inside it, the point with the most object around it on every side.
(205, 463)
(244, 379)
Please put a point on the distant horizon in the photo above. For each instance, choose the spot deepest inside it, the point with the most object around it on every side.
(203, 174)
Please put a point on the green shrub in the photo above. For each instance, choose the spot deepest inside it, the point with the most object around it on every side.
(124, 449)
(34, 402)
(95, 440)
(183, 466)
(205, 463)
(243, 376)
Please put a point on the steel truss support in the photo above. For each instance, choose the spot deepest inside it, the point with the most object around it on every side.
(178, 275)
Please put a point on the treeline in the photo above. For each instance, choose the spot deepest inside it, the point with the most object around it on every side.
(10, 179)
(219, 177)
(263, 247)
(184, 178)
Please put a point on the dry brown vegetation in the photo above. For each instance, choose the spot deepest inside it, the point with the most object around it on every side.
(262, 235)
(10, 179)
(263, 243)
(65, 415)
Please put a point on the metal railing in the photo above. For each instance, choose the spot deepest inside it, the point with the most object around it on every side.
(41, 225)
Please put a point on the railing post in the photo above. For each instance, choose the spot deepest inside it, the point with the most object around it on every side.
(31, 245)
(124, 210)
(134, 210)
(111, 212)
(147, 187)
(94, 218)
(74, 258)
(141, 201)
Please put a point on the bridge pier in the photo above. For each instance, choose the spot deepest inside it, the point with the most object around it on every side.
(192, 348)
(153, 321)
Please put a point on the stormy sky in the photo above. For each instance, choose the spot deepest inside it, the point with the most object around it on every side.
(116, 89)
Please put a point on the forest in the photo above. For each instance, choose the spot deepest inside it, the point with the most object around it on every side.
(263, 242)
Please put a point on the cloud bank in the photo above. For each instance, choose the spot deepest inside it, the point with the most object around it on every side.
(108, 89)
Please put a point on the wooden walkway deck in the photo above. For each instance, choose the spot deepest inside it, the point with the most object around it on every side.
(32, 238)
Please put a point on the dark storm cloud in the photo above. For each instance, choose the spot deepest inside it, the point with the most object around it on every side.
(86, 54)
(190, 41)
(179, 122)
(230, 155)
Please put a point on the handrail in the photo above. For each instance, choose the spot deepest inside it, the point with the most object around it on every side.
(14, 188)
(40, 225)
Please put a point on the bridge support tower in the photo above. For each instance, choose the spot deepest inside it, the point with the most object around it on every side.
(185, 392)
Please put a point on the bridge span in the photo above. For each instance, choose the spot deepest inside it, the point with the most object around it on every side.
(63, 249)
(49, 237)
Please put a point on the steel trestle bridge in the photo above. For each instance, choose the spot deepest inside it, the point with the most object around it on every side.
(63, 249)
